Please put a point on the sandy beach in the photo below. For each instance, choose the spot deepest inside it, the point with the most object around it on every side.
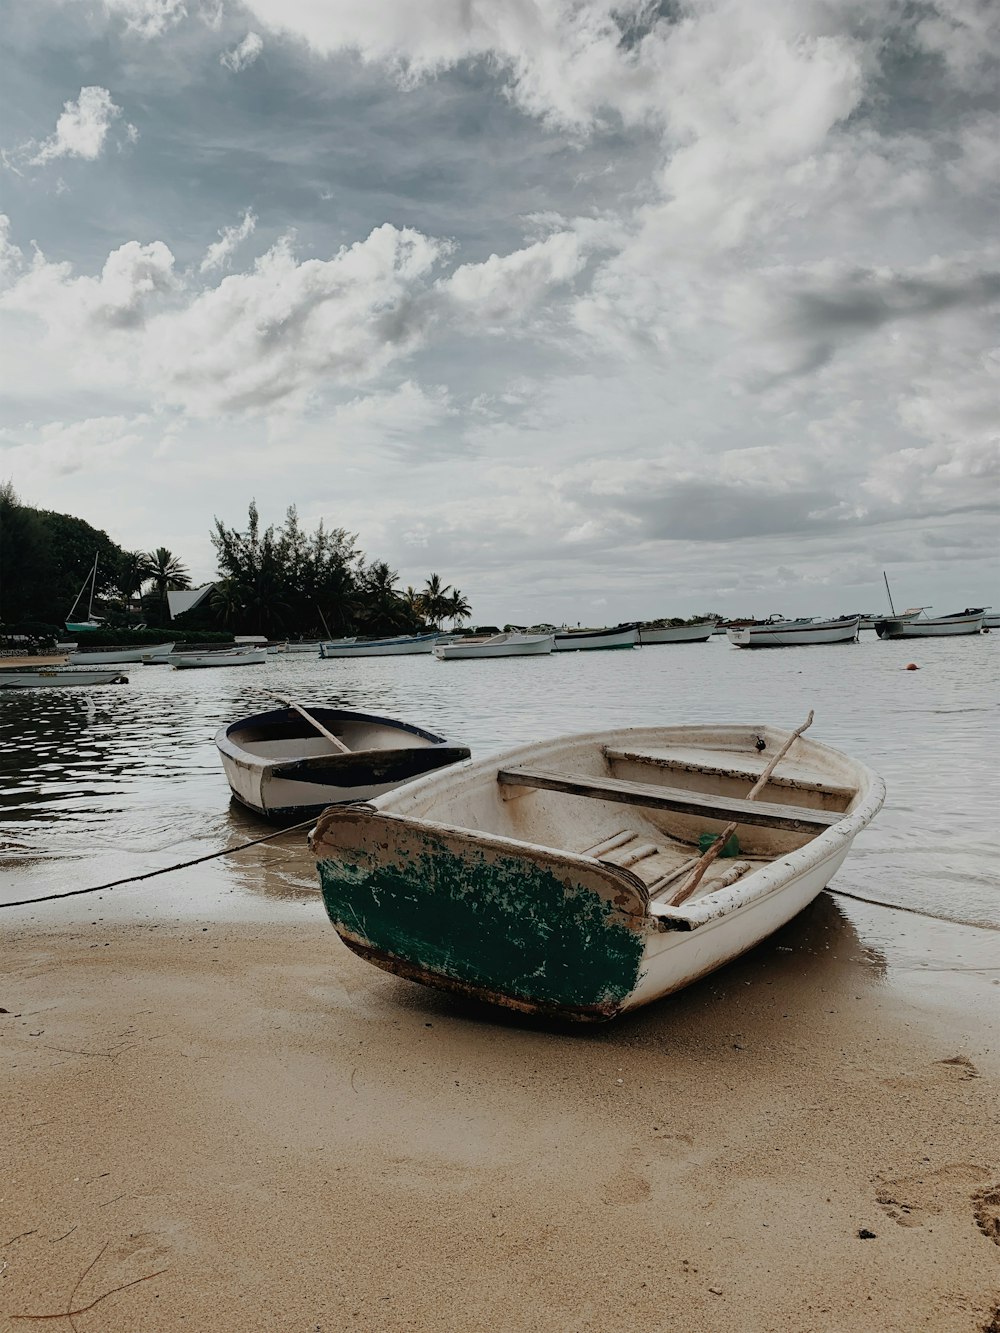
(258, 1130)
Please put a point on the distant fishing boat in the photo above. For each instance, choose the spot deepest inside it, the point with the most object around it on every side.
(700, 632)
(230, 657)
(22, 679)
(312, 647)
(400, 645)
(969, 621)
(577, 640)
(572, 877)
(511, 644)
(144, 652)
(792, 633)
(92, 621)
(297, 761)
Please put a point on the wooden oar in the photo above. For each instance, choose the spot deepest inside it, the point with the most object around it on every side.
(686, 890)
(334, 740)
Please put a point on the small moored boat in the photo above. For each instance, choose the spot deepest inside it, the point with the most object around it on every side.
(120, 656)
(575, 640)
(292, 761)
(700, 632)
(511, 644)
(228, 657)
(969, 621)
(401, 645)
(19, 678)
(566, 877)
(791, 633)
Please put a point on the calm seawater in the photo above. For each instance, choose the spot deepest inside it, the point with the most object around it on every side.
(97, 784)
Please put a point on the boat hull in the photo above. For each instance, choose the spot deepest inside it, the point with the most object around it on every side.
(791, 635)
(929, 628)
(581, 641)
(398, 647)
(300, 775)
(187, 661)
(423, 885)
(23, 680)
(678, 634)
(121, 656)
(529, 645)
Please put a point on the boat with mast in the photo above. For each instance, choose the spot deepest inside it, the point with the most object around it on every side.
(92, 621)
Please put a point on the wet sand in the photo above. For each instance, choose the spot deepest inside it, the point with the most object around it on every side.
(292, 1140)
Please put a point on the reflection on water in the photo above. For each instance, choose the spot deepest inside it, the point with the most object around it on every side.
(100, 783)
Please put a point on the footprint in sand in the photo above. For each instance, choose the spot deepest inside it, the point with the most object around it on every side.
(963, 1064)
(986, 1210)
(910, 1200)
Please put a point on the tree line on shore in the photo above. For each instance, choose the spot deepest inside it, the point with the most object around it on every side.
(282, 582)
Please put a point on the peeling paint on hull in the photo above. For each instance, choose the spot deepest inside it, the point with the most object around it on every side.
(495, 926)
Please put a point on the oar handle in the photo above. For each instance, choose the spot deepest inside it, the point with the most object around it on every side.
(334, 740)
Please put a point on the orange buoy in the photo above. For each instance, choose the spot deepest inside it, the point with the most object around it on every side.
(912, 666)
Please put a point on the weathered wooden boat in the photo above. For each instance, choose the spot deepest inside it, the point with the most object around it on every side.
(292, 761)
(565, 877)
(401, 645)
(575, 640)
(228, 657)
(20, 678)
(512, 644)
(700, 632)
(120, 656)
(969, 621)
(791, 633)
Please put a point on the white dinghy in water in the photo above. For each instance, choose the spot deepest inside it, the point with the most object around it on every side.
(293, 761)
(568, 877)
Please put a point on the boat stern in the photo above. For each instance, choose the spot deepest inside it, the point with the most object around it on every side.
(529, 928)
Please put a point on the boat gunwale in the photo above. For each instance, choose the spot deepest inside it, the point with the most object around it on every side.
(228, 746)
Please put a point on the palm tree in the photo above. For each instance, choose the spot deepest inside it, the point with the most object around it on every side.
(132, 574)
(458, 608)
(434, 599)
(165, 571)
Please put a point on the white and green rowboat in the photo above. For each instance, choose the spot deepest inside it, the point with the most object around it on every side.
(558, 878)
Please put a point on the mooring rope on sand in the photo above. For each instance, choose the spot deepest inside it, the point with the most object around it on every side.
(307, 823)
(164, 870)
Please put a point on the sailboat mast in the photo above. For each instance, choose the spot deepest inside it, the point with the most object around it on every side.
(93, 585)
(891, 607)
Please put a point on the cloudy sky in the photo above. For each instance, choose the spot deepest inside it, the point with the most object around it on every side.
(599, 310)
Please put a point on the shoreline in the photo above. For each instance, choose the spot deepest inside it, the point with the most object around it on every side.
(302, 1141)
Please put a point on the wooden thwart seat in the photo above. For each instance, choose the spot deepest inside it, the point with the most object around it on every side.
(743, 767)
(768, 815)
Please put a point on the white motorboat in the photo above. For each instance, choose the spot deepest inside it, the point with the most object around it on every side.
(700, 632)
(20, 678)
(143, 652)
(401, 645)
(565, 877)
(991, 620)
(969, 621)
(282, 763)
(577, 640)
(792, 633)
(511, 644)
(229, 657)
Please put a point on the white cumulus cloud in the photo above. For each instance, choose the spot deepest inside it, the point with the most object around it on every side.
(81, 129)
(220, 252)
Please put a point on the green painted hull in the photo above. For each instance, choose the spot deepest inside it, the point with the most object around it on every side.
(534, 933)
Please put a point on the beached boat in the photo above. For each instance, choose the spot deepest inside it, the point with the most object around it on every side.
(697, 633)
(790, 633)
(22, 678)
(282, 763)
(312, 647)
(401, 645)
(512, 644)
(145, 652)
(562, 877)
(576, 640)
(228, 657)
(969, 621)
